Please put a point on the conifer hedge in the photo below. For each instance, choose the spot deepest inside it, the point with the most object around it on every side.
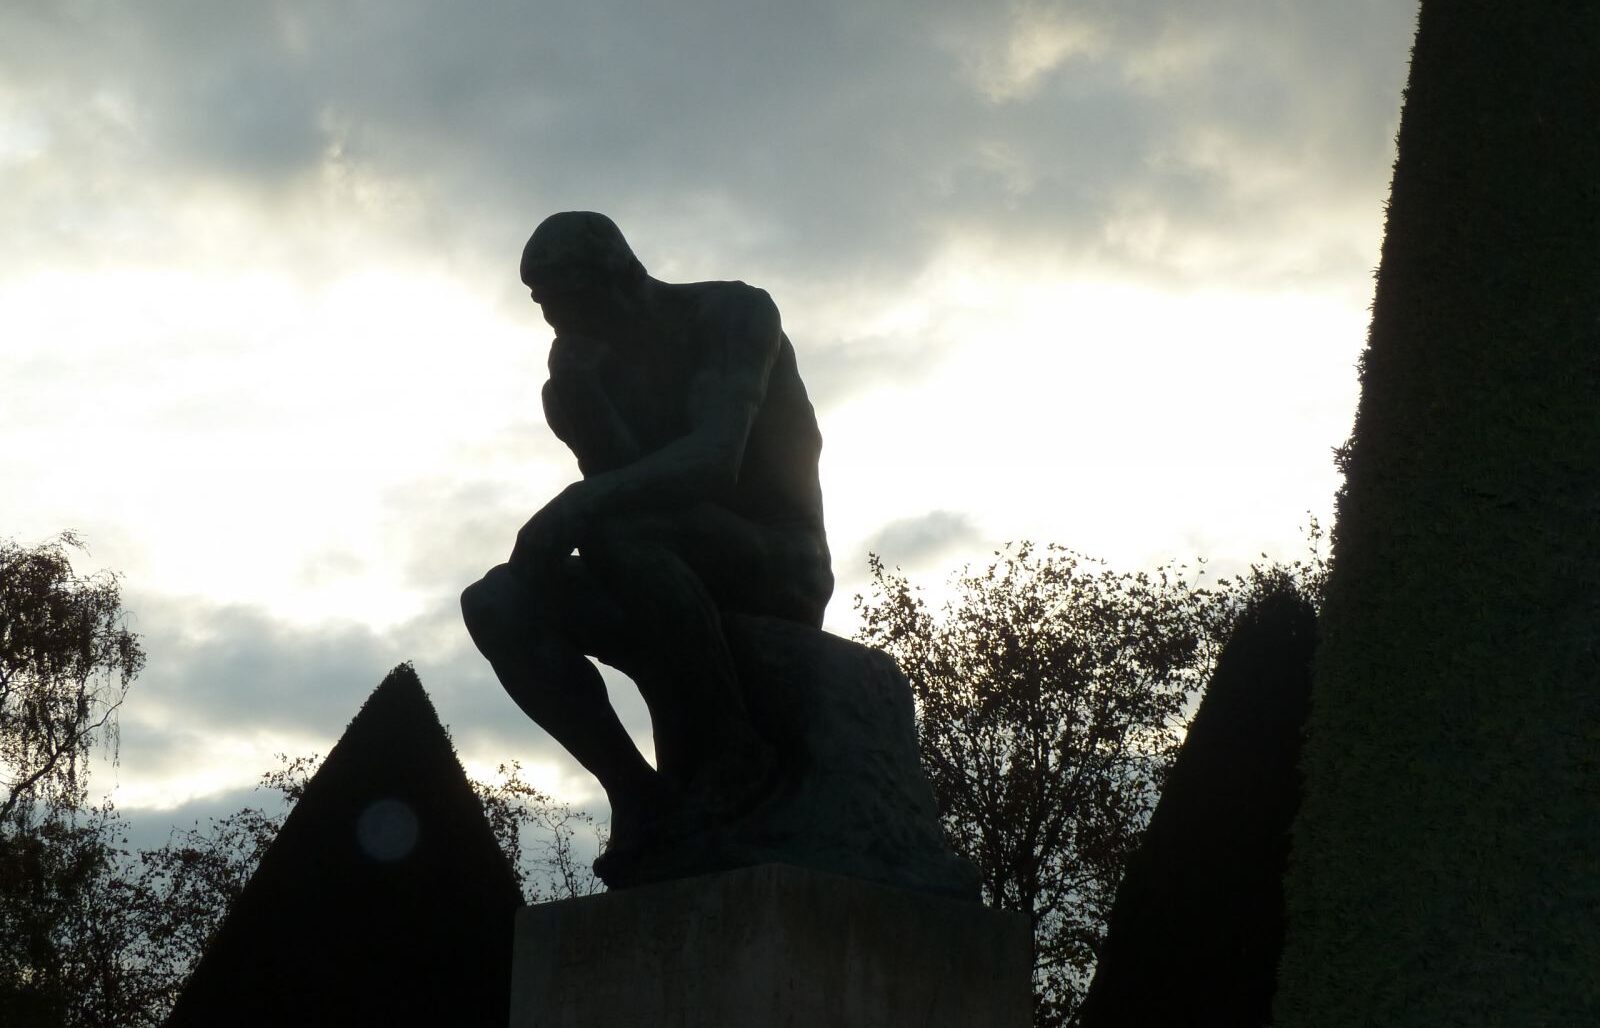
(1196, 930)
(384, 899)
(1446, 861)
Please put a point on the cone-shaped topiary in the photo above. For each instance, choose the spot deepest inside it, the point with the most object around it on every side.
(1445, 866)
(1197, 926)
(384, 899)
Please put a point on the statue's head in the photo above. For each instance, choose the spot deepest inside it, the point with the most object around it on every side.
(577, 266)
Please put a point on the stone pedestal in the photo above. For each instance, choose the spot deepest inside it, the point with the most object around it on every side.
(769, 946)
(851, 797)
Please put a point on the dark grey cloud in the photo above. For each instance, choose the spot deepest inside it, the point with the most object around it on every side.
(238, 666)
(829, 140)
(913, 541)
(237, 671)
(830, 151)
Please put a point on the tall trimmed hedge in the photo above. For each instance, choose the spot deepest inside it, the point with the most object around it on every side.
(1446, 860)
(384, 900)
(1197, 927)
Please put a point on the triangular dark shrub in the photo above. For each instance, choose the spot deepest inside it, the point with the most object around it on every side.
(384, 899)
(1197, 925)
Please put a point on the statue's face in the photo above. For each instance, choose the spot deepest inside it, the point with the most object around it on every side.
(575, 302)
(572, 311)
(582, 302)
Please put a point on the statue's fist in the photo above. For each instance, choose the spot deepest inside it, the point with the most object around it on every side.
(551, 534)
(572, 355)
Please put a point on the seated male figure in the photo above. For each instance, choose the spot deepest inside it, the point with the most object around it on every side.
(698, 449)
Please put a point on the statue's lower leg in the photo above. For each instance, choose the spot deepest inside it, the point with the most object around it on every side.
(705, 742)
(556, 685)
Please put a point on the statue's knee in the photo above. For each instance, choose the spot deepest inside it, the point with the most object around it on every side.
(483, 602)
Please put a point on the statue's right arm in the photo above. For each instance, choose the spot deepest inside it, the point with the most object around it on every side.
(740, 338)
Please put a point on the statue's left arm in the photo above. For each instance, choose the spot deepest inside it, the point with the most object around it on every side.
(741, 335)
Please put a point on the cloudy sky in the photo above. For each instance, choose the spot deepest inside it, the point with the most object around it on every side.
(1094, 273)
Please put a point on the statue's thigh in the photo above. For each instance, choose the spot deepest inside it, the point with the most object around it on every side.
(565, 605)
(736, 560)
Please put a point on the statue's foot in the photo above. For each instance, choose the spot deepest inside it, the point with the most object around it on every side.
(649, 840)
(633, 834)
(643, 833)
(640, 818)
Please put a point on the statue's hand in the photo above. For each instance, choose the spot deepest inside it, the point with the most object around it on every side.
(551, 534)
(579, 410)
(575, 355)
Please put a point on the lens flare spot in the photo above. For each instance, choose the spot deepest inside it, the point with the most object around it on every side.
(387, 830)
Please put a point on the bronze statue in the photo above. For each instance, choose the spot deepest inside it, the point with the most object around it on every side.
(698, 448)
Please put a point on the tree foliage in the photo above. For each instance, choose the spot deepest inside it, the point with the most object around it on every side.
(60, 923)
(545, 840)
(178, 893)
(1050, 695)
(92, 933)
(66, 661)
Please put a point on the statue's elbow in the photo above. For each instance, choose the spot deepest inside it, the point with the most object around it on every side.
(711, 470)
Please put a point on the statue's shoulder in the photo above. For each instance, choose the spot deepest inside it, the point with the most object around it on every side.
(721, 299)
(729, 329)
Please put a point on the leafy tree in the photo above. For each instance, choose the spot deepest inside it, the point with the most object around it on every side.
(92, 934)
(540, 837)
(54, 878)
(66, 661)
(176, 895)
(1050, 697)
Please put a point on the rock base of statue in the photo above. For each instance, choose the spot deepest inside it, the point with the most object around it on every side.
(851, 797)
(774, 946)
